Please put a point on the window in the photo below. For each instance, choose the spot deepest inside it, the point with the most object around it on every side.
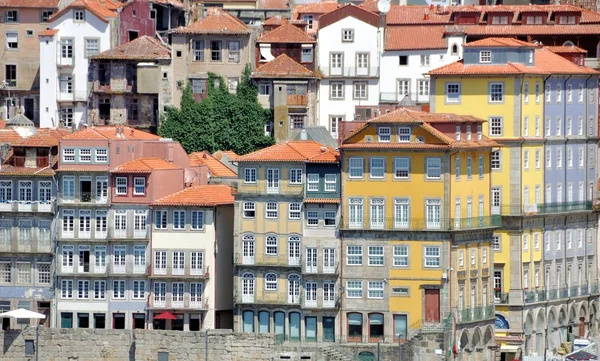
(312, 218)
(526, 92)
(537, 125)
(160, 219)
(355, 212)
(121, 185)
(354, 289)
(400, 257)
(79, 15)
(496, 128)
(66, 289)
(537, 92)
(232, 84)
(404, 134)
(83, 289)
(500, 20)
(10, 73)
(66, 48)
(496, 242)
(432, 256)
(403, 60)
(452, 93)
(68, 155)
(461, 258)
(377, 168)
(45, 15)
(496, 92)
(271, 246)
(526, 159)
(264, 89)
(307, 55)
(119, 289)
(43, 273)
(250, 175)
(178, 219)
(423, 87)
(558, 125)
(548, 158)
(480, 166)
(271, 282)
(375, 255)
(356, 167)
(330, 182)
(424, 60)
(384, 134)
(360, 90)
(249, 209)
(139, 185)
(570, 157)
(23, 272)
(537, 159)
(559, 158)
(91, 47)
(25, 190)
(68, 229)
(558, 93)
(295, 176)
(485, 56)
(354, 255)
(336, 90)
(271, 210)
(336, 61)
(347, 35)
(309, 19)
(5, 191)
(101, 155)
(469, 167)
(198, 50)
(216, 47)
(99, 290)
(198, 86)
(313, 182)
(294, 211)
(139, 290)
(434, 168)
(375, 289)
(11, 16)
(329, 218)
(233, 51)
(433, 215)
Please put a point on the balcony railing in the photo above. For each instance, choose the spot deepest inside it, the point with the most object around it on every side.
(262, 297)
(28, 206)
(83, 197)
(542, 294)
(350, 72)
(500, 298)
(452, 224)
(320, 269)
(33, 162)
(197, 302)
(542, 208)
(128, 268)
(74, 96)
(476, 314)
(261, 188)
(320, 303)
(31, 244)
(395, 97)
(261, 259)
(170, 272)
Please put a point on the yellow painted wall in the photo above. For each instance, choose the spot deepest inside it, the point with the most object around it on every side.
(464, 251)
(474, 187)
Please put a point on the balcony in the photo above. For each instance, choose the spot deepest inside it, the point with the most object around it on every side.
(500, 298)
(543, 294)
(476, 314)
(130, 86)
(349, 72)
(90, 271)
(592, 63)
(62, 61)
(30, 162)
(261, 188)
(197, 273)
(169, 302)
(128, 233)
(87, 198)
(320, 269)
(31, 244)
(128, 269)
(263, 260)
(28, 206)
(262, 297)
(395, 98)
(415, 224)
(542, 208)
(320, 303)
(74, 96)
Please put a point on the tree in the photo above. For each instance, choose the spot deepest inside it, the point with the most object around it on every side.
(221, 121)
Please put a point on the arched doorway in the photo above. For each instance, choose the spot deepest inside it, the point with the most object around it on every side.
(583, 320)
(476, 345)
(488, 343)
(593, 318)
(563, 322)
(464, 346)
(366, 356)
(540, 326)
(528, 331)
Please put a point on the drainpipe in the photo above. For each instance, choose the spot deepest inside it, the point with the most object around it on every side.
(450, 238)
(215, 251)
(341, 246)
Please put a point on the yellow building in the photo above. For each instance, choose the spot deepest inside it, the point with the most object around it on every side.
(415, 199)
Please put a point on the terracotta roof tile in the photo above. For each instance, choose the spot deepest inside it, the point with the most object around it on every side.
(293, 151)
(143, 48)
(216, 168)
(231, 154)
(532, 30)
(370, 5)
(2, 124)
(283, 67)
(9, 136)
(77, 168)
(217, 21)
(553, 63)
(566, 49)
(45, 4)
(322, 200)
(102, 10)
(51, 136)
(349, 10)
(109, 132)
(275, 20)
(9, 170)
(273, 4)
(48, 32)
(415, 38)
(407, 15)
(34, 141)
(286, 33)
(314, 8)
(199, 196)
(144, 165)
(499, 42)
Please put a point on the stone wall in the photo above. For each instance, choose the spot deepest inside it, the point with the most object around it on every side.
(145, 345)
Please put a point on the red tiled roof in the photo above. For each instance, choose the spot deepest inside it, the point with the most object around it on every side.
(103, 10)
(414, 15)
(553, 63)
(415, 38)
(314, 8)
(349, 10)
(48, 32)
(293, 151)
(531, 30)
(8, 169)
(9, 136)
(283, 67)
(43, 4)
(109, 132)
(273, 4)
(82, 168)
(34, 141)
(231, 154)
(566, 49)
(199, 196)
(144, 165)
(275, 20)
(499, 43)
(51, 136)
(322, 200)
(370, 5)
(286, 33)
(217, 21)
(143, 48)
(216, 168)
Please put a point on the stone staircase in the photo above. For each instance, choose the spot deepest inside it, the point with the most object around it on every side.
(331, 354)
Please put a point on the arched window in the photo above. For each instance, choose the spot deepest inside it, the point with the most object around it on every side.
(454, 49)
(375, 327)
(355, 326)
(271, 245)
(264, 321)
(568, 43)
(271, 282)
(248, 245)
(294, 326)
(279, 324)
(366, 356)
(293, 292)
(294, 250)
(248, 321)
(248, 288)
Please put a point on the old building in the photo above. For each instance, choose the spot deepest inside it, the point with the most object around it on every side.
(218, 43)
(131, 84)
(311, 13)
(218, 172)
(286, 250)
(21, 24)
(192, 249)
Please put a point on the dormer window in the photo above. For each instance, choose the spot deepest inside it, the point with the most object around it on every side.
(454, 49)
(500, 20)
(530, 56)
(458, 132)
(384, 134)
(347, 35)
(485, 56)
(468, 132)
(534, 20)
(79, 15)
(566, 19)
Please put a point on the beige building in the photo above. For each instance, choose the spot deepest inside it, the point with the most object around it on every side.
(131, 84)
(21, 23)
(218, 43)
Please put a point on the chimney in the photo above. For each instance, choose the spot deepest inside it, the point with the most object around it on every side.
(131, 131)
(426, 14)
(204, 156)
(303, 135)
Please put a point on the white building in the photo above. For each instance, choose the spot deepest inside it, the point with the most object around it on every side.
(349, 44)
(75, 33)
(410, 52)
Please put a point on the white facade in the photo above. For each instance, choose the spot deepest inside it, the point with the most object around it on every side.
(348, 58)
(63, 56)
(411, 79)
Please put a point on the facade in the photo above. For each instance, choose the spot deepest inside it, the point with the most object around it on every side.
(192, 249)
(131, 84)
(286, 259)
(220, 43)
(21, 24)
(417, 229)
(349, 43)
(543, 109)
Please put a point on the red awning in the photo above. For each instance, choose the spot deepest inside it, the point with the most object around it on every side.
(165, 316)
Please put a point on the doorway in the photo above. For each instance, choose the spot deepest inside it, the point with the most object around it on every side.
(139, 321)
(432, 305)
(328, 329)
(29, 106)
(44, 308)
(66, 320)
(99, 320)
(118, 321)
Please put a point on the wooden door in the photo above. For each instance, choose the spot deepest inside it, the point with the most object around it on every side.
(432, 305)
